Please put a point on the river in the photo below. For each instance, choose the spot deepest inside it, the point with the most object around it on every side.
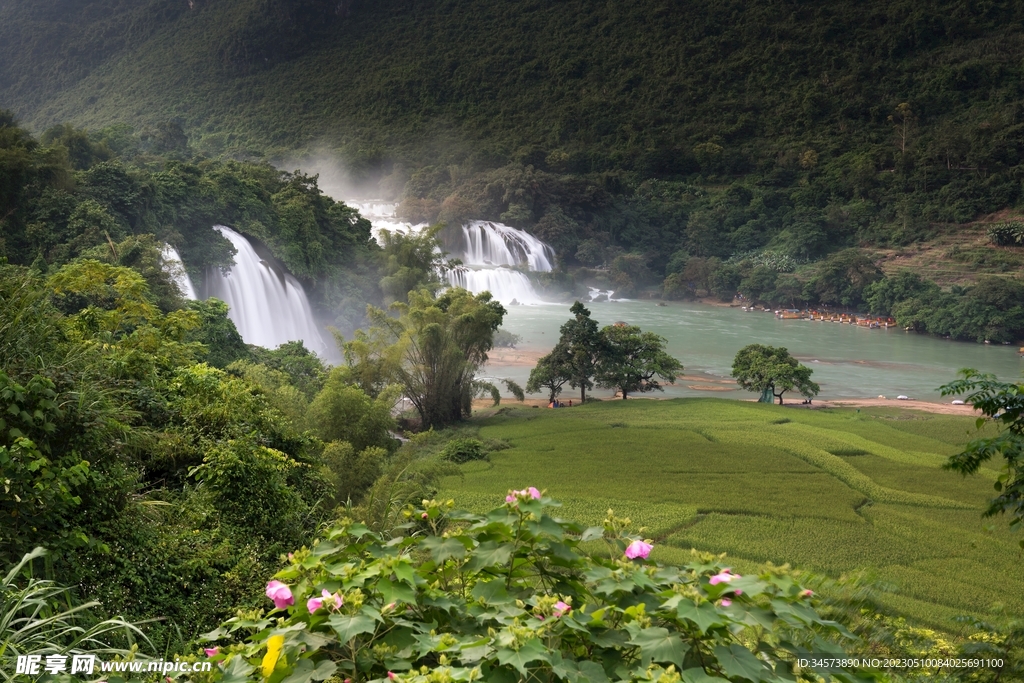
(848, 361)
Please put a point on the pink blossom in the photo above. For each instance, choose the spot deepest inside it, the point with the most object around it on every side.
(391, 675)
(725, 576)
(211, 651)
(726, 602)
(530, 491)
(280, 594)
(425, 515)
(806, 593)
(561, 608)
(388, 607)
(638, 549)
(333, 600)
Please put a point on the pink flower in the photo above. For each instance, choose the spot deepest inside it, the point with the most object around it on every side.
(638, 549)
(561, 608)
(725, 576)
(425, 515)
(806, 593)
(280, 594)
(726, 602)
(391, 675)
(531, 491)
(211, 651)
(388, 607)
(333, 600)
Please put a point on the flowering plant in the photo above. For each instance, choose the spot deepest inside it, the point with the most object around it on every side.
(518, 593)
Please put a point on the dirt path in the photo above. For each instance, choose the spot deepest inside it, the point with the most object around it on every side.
(924, 406)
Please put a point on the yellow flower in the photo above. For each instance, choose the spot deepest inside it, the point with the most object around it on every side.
(274, 645)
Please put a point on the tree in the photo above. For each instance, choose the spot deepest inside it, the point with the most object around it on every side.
(436, 347)
(1002, 404)
(582, 343)
(551, 372)
(630, 360)
(765, 369)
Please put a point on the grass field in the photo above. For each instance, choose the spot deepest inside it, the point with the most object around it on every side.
(830, 491)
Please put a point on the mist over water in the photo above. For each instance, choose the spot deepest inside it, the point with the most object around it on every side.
(492, 254)
(267, 304)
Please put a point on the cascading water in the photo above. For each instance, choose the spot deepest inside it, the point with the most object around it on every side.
(173, 265)
(490, 253)
(266, 303)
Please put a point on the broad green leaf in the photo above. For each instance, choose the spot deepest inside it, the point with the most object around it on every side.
(489, 554)
(305, 671)
(592, 533)
(348, 627)
(237, 670)
(493, 592)
(612, 638)
(739, 662)
(396, 592)
(699, 676)
(703, 615)
(405, 572)
(593, 672)
(443, 548)
(531, 651)
(658, 645)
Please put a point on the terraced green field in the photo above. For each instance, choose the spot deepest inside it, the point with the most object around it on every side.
(830, 491)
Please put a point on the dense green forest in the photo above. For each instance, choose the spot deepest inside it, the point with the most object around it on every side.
(684, 149)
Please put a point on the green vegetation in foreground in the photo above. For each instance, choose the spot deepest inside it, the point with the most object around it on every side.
(829, 491)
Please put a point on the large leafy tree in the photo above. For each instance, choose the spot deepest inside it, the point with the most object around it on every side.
(1002, 404)
(632, 361)
(436, 345)
(551, 373)
(582, 345)
(771, 370)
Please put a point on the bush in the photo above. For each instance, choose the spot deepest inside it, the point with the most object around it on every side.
(464, 450)
(1007, 234)
(511, 595)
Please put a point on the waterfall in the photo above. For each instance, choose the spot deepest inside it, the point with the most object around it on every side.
(266, 303)
(496, 244)
(176, 269)
(490, 253)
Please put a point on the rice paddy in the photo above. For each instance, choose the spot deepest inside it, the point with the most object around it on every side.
(828, 491)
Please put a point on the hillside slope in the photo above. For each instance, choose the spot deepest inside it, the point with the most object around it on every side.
(639, 85)
(687, 148)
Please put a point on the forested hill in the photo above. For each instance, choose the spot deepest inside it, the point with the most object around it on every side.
(683, 148)
(659, 87)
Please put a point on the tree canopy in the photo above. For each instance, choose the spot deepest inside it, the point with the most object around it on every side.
(633, 361)
(771, 370)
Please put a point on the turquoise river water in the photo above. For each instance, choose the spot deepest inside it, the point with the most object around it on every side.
(848, 361)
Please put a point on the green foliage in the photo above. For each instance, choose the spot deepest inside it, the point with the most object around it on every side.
(41, 488)
(552, 372)
(434, 348)
(632, 361)
(40, 617)
(503, 339)
(991, 310)
(410, 262)
(511, 593)
(771, 371)
(343, 412)
(463, 450)
(1003, 404)
(352, 473)
(842, 278)
(578, 352)
(1007, 234)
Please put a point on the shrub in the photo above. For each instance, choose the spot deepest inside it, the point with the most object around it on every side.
(510, 595)
(1007, 234)
(464, 450)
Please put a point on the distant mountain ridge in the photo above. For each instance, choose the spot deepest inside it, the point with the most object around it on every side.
(658, 87)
